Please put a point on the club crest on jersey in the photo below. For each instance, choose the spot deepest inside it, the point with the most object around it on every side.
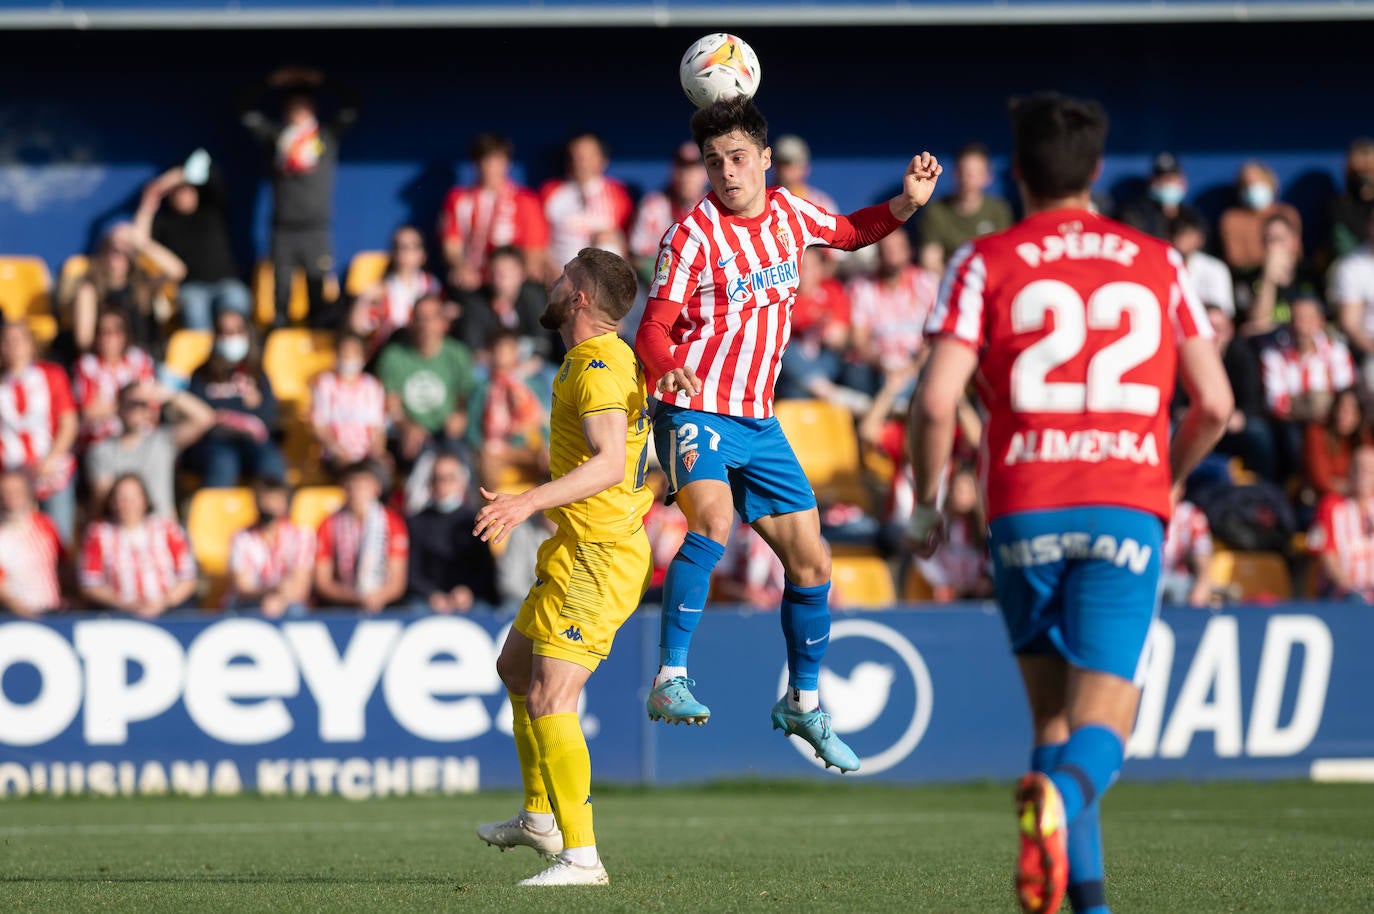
(784, 237)
(663, 267)
(689, 460)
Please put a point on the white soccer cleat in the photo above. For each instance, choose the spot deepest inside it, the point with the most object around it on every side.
(565, 872)
(516, 832)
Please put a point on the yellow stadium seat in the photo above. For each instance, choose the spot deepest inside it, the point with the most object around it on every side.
(313, 504)
(213, 518)
(43, 327)
(292, 357)
(264, 290)
(365, 270)
(187, 350)
(25, 287)
(823, 437)
(1255, 574)
(862, 582)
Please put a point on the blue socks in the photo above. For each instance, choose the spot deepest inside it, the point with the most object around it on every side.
(1088, 764)
(1099, 750)
(806, 626)
(684, 596)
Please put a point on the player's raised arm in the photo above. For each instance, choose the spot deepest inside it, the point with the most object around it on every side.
(863, 227)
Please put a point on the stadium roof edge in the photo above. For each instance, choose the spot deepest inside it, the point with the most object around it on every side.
(664, 15)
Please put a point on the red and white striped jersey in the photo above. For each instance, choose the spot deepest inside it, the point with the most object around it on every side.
(31, 403)
(267, 563)
(586, 215)
(656, 213)
(1187, 540)
(30, 550)
(1077, 321)
(1289, 373)
(485, 220)
(894, 314)
(735, 279)
(143, 563)
(352, 410)
(360, 549)
(1345, 528)
(96, 380)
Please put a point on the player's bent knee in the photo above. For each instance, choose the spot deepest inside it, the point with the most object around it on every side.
(812, 571)
(714, 525)
(514, 673)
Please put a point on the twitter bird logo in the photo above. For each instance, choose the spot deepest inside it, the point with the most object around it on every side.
(855, 702)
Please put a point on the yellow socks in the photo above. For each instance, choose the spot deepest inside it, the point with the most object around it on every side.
(567, 768)
(527, 750)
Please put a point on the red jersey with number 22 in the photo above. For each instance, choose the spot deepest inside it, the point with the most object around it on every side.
(1077, 320)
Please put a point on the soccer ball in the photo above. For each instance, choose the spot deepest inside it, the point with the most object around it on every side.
(719, 66)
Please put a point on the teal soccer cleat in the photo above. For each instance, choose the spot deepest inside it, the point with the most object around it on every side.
(672, 702)
(814, 727)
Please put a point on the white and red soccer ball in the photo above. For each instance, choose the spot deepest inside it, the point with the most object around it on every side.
(719, 66)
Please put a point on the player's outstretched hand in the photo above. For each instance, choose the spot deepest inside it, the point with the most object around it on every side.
(925, 532)
(919, 181)
(502, 514)
(680, 379)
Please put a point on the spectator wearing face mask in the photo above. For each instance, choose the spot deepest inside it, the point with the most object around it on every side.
(1241, 229)
(451, 570)
(232, 381)
(348, 409)
(272, 560)
(1163, 200)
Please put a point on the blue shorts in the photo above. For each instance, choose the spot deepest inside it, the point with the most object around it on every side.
(752, 456)
(1082, 583)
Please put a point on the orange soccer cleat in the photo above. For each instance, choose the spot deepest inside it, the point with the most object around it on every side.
(1042, 868)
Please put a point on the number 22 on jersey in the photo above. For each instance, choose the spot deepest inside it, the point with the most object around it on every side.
(1101, 390)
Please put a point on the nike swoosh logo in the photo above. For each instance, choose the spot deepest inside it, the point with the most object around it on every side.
(817, 640)
(683, 609)
(726, 261)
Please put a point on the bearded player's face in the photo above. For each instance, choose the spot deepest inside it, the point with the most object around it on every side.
(560, 300)
(737, 169)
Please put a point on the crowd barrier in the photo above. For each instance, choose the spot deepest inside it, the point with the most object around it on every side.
(342, 704)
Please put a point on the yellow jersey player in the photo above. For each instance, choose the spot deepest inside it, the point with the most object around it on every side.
(591, 573)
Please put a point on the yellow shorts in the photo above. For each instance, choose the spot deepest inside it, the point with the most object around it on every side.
(582, 594)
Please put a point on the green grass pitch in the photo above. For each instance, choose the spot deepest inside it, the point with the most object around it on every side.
(839, 847)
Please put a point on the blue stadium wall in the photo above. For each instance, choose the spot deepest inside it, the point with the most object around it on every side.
(87, 117)
(343, 704)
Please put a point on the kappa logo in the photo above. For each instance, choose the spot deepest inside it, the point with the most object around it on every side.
(595, 363)
(689, 460)
(572, 633)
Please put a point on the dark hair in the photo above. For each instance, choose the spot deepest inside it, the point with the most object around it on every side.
(1186, 220)
(348, 336)
(265, 484)
(107, 510)
(502, 335)
(368, 467)
(1359, 436)
(606, 278)
(487, 143)
(1058, 143)
(586, 135)
(974, 148)
(727, 115)
(506, 250)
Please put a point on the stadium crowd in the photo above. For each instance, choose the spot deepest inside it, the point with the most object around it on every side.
(174, 436)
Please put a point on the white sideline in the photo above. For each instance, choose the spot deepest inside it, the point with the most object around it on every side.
(1343, 770)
